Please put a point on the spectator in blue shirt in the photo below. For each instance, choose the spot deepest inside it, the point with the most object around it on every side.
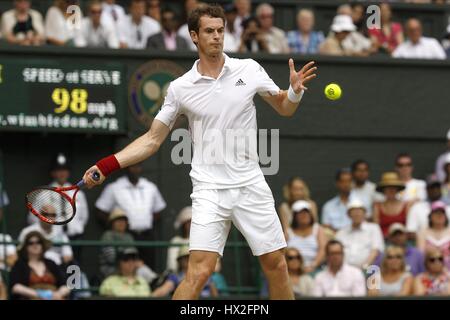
(305, 40)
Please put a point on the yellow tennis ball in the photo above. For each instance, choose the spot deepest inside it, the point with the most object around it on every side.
(333, 91)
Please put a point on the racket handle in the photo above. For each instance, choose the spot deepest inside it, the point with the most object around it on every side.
(95, 176)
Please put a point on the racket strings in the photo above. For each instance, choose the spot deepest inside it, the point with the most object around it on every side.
(50, 204)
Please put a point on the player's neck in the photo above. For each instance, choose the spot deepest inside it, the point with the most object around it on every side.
(211, 66)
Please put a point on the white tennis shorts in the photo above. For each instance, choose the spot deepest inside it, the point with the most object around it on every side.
(250, 208)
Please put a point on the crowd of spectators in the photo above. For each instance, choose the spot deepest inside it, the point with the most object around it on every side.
(389, 238)
(151, 24)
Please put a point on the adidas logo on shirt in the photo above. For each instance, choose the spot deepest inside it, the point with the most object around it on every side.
(240, 83)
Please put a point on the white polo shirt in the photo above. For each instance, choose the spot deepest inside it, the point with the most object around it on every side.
(222, 121)
(426, 48)
(415, 189)
(136, 36)
(359, 243)
(349, 281)
(139, 201)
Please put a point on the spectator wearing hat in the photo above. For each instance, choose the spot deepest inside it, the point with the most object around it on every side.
(275, 37)
(419, 212)
(96, 32)
(174, 279)
(183, 225)
(126, 283)
(305, 39)
(344, 40)
(118, 232)
(296, 189)
(415, 189)
(34, 276)
(435, 281)
(363, 241)
(339, 279)
(218, 279)
(23, 25)
(307, 236)
(142, 203)
(362, 188)
(231, 37)
(391, 210)
(446, 183)
(168, 39)
(395, 279)
(390, 34)
(414, 258)
(334, 211)
(437, 235)
(417, 46)
(60, 175)
(61, 254)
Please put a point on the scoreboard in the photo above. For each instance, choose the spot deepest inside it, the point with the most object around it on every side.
(59, 96)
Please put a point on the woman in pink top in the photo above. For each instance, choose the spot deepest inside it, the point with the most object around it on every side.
(437, 235)
(391, 33)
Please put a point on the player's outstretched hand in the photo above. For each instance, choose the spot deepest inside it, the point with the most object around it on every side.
(302, 77)
(89, 179)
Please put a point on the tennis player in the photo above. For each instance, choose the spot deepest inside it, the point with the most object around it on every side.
(216, 96)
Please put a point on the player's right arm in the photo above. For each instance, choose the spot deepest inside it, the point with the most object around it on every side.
(140, 149)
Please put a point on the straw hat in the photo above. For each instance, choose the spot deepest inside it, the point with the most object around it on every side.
(390, 179)
(117, 213)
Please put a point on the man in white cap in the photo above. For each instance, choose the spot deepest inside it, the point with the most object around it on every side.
(362, 240)
(344, 40)
(441, 160)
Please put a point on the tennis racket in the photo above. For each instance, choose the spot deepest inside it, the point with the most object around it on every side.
(55, 205)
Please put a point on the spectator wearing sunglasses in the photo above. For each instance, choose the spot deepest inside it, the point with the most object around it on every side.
(415, 189)
(168, 39)
(35, 277)
(61, 255)
(395, 279)
(136, 28)
(414, 258)
(437, 235)
(302, 283)
(435, 281)
(95, 32)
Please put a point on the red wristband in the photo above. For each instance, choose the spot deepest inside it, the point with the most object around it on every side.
(108, 165)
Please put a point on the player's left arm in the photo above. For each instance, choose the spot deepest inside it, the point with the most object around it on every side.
(286, 101)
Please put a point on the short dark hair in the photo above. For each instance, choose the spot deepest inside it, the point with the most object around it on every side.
(213, 11)
(332, 243)
(430, 223)
(358, 162)
(138, 1)
(402, 155)
(342, 171)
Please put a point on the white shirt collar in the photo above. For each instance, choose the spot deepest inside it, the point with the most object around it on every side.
(197, 76)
